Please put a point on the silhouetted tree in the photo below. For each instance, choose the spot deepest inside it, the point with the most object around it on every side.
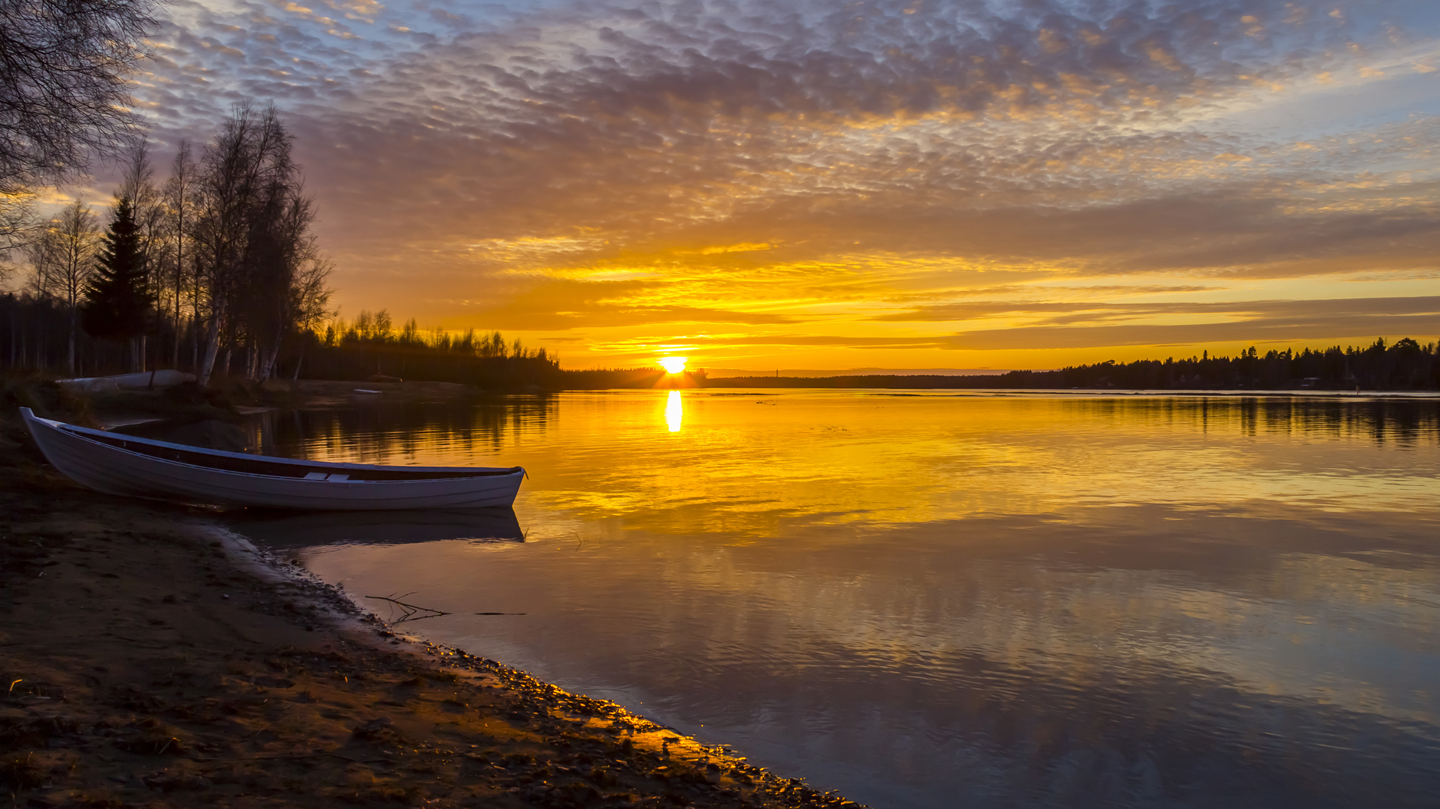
(63, 66)
(63, 260)
(179, 205)
(17, 226)
(117, 297)
(251, 230)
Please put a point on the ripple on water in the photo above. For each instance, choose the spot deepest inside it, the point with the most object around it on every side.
(928, 600)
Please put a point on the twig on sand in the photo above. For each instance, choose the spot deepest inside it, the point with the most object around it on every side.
(413, 612)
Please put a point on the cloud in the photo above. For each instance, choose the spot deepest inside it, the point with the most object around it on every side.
(1257, 322)
(551, 304)
(464, 156)
(1103, 310)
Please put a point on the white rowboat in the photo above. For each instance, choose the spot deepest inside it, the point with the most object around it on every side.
(147, 379)
(157, 470)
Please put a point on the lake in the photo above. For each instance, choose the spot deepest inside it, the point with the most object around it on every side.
(942, 599)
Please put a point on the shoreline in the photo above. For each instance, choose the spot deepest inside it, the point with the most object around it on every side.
(154, 658)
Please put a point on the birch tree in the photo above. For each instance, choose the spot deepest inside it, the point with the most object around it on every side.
(240, 176)
(63, 258)
(179, 203)
(147, 205)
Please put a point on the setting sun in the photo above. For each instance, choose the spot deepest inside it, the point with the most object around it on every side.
(1082, 349)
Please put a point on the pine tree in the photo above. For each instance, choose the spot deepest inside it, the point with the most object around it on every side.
(117, 298)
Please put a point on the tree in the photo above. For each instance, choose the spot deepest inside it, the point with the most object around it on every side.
(252, 240)
(63, 260)
(117, 297)
(151, 239)
(17, 209)
(179, 199)
(63, 67)
(309, 301)
(148, 206)
(282, 246)
(240, 170)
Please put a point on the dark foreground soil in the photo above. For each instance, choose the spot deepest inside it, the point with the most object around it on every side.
(150, 659)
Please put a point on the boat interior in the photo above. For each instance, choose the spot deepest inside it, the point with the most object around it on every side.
(258, 465)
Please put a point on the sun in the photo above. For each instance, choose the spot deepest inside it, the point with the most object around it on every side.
(673, 364)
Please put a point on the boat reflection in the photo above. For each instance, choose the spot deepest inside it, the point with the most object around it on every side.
(471, 434)
(1033, 601)
(290, 530)
(674, 411)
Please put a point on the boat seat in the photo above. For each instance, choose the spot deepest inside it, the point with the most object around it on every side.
(315, 476)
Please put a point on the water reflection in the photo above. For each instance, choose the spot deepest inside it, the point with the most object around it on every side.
(674, 412)
(408, 433)
(933, 600)
(1402, 422)
(291, 530)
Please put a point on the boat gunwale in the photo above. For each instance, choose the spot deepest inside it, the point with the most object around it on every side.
(393, 474)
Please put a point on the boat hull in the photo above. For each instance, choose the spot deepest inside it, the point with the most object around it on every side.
(115, 470)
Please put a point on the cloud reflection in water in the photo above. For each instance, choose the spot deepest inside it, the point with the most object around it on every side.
(1032, 601)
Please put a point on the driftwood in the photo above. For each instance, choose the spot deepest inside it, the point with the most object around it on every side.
(413, 612)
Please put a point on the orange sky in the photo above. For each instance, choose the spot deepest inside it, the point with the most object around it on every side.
(909, 184)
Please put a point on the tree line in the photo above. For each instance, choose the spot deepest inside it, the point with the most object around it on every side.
(1400, 366)
(216, 263)
(373, 346)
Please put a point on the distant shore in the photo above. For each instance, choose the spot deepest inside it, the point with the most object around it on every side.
(151, 657)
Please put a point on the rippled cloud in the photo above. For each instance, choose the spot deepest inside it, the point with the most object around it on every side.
(708, 165)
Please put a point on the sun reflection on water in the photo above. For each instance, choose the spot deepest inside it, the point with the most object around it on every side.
(674, 412)
(852, 571)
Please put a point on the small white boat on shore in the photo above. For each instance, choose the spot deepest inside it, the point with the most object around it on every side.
(140, 381)
(157, 470)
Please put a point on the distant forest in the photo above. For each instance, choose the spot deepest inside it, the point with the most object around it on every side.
(372, 346)
(1405, 365)
(33, 333)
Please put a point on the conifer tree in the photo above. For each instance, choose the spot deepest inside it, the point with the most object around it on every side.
(117, 298)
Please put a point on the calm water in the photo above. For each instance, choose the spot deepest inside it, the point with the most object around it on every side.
(938, 600)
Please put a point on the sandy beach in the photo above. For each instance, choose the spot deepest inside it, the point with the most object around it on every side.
(150, 658)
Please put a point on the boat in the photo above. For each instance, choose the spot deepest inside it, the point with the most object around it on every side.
(146, 380)
(157, 470)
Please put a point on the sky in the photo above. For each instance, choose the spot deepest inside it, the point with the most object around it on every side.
(786, 184)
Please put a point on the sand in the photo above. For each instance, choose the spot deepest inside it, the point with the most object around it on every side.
(149, 658)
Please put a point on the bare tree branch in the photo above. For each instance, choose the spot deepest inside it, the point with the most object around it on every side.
(63, 259)
(63, 65)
